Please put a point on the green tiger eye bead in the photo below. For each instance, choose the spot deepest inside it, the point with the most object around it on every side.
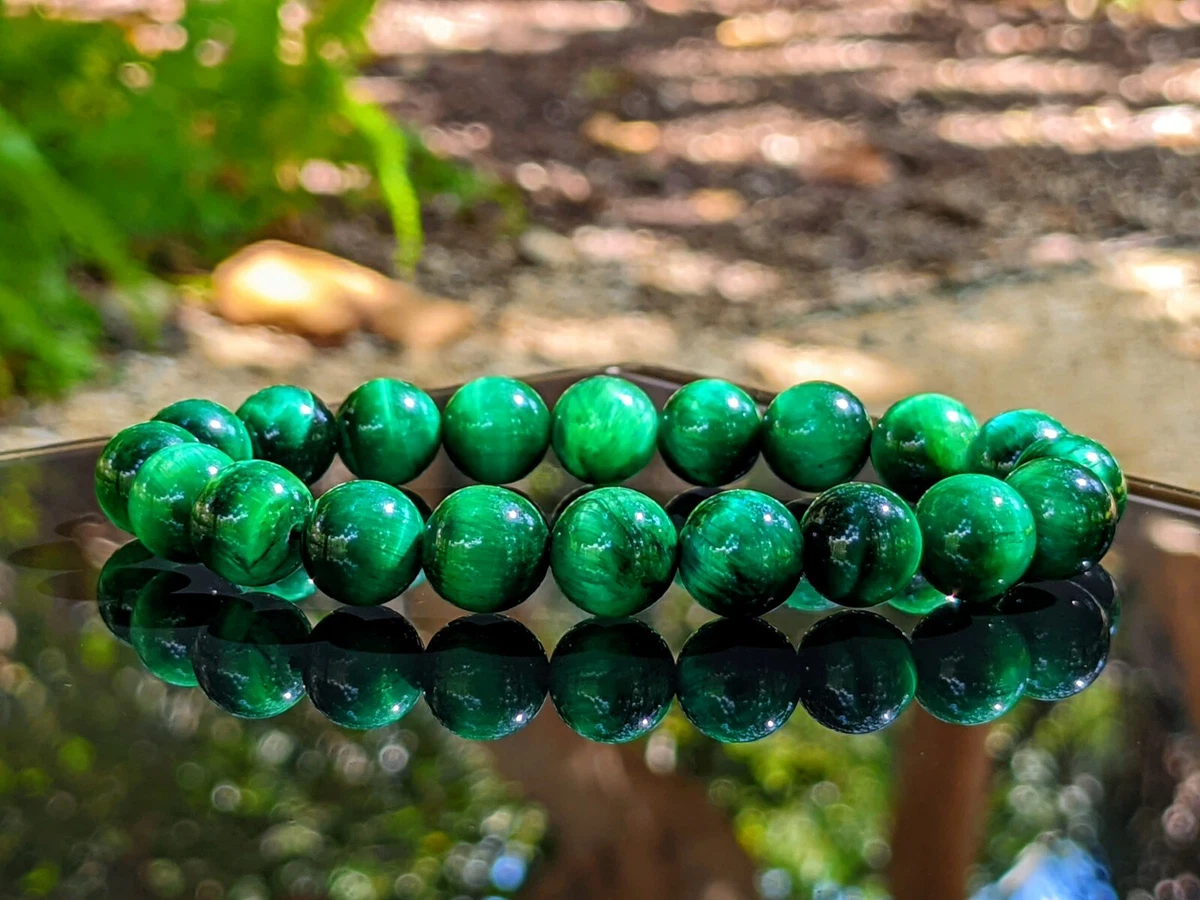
(291, 427)
(921, 440)
(856, 672)
(485, 548)
(123, 457)
(362, 545)
(212, 424)
(1066, 632)
(388, 431)
(604, 429)
(1087, 453)
(364, 667)
(1101, 588)
(978, 536)
(1002, 439)
(815, 435)
(737, 679)
(248, 522)
(920, 598)
(807, 598)
(612, 680)
(971, 669)
(613, 551)
(496, 429)
(293, 588)
(709, 432)
(120, 582)
(862, 544)
(739, 553)
(486, 677)
(1073, 512)
(249, 659)
(165, 623)
(164, 492)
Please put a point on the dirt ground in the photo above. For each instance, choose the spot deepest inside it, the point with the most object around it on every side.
(998, 201)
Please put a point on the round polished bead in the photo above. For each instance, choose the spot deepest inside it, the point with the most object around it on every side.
(212, 424)
(1087, 453)
(120, 582)
(815, 435)
(920, 597)
(971, 669)
(807, 598)
(921, 440)
(709, 432)
(604, 429)
(1002, 439)
(123, 457)
(737, 679)
(291, 427)
(1073, 512)
(856, 672)
(164, 492)
(613, 551)
(293, 588)
(388, 431)
(485, 548)
(739, 553)
(978, 536)
(364, 667)
(612, 680)
(486, 676)
(362, 545)
(684, 504)
(249, 659)
(1100, 586)
(1066, 632)
(496, 429)
(165, 622)
(249, 520)
(862, 544)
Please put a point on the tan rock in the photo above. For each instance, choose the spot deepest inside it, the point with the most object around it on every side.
(425, 324)
(230, 346)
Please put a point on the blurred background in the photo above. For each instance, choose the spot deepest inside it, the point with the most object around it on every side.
(997, 200)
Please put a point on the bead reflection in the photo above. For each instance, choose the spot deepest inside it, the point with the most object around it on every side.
(737, 679)
(364, 667)
(486, 676)
(121, 579)
(920, 598)
(165, 622)
(1097, 582)
(612, 680)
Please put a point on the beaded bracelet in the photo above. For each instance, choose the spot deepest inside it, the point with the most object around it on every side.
(611, 680)
(1016, 499)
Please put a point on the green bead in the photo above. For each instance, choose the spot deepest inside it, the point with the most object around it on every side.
(612, 680)
(248, 522)
(807, 598)
(921, 440)
(1101, 587)
(1002, 439)
(1066, 632)
(1087, 453)
(122, 458)
(920, 598)
(709, 432)
(164, 492)
(120, 582)
(856, 672)
(739, 553)
(862, 544)
(604, 429)
(1073, 512)
(164, 624)
(971, 669)
(613, 551)
(212, 424)
(496, 429)
(815, 435)
(291, 427)
(364, 667)
(486, 676)
(738, 679)
(388, 430)
(485, 548)
(362, 545)
(249, 660)
(978, 536)
(293, 588)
